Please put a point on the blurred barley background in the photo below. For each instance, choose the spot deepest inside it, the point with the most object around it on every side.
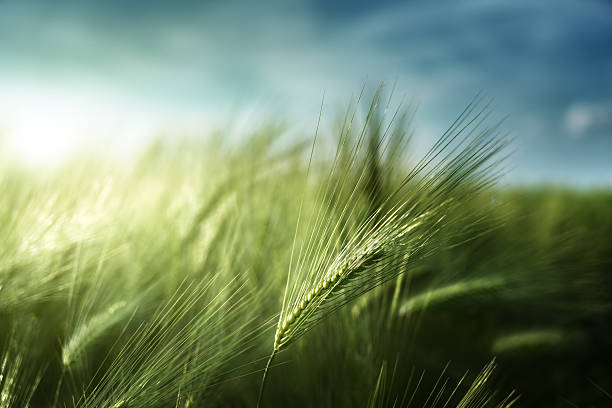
(389, 203)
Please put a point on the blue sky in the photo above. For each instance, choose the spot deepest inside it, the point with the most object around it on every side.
(117, 70)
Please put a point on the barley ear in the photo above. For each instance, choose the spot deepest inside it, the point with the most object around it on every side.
(351, 248)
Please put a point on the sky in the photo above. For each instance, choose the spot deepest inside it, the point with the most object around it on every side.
(119, 72)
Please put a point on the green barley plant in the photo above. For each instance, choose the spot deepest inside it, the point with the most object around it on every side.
(450, 292)
(330, 272)
(530, 339)
(18, 377)
(182, 349)
(442, 394)
(478, 396)
(89, 331)
(156, 280)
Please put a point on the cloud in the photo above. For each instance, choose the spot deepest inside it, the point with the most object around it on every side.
(536, 59)
(589, 119)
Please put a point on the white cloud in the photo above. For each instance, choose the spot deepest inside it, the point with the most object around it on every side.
(583, 119)
(162, 68)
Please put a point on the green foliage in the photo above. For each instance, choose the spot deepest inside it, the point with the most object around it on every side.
(168, 280)
(476, 395)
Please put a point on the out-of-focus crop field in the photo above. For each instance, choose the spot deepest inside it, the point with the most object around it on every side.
(373, 278)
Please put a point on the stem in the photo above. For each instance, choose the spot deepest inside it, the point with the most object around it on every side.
(265, 375)
(59, 386)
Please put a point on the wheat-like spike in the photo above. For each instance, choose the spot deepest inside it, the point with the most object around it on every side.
(449, 292)
(328, 273)
(477, 395)
(18, 379)
(89, 331)
(187, 341)
(410, 225)
(530, 339)
(10, 369)
(357, 259)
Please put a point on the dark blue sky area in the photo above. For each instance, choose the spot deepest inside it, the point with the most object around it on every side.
(548, 63)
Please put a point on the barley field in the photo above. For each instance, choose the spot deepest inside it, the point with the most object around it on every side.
(338, 269)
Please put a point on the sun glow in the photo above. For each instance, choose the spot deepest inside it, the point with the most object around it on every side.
(45, 136)
(42, 127)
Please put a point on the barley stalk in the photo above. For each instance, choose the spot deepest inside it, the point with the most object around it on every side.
(405, 223)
